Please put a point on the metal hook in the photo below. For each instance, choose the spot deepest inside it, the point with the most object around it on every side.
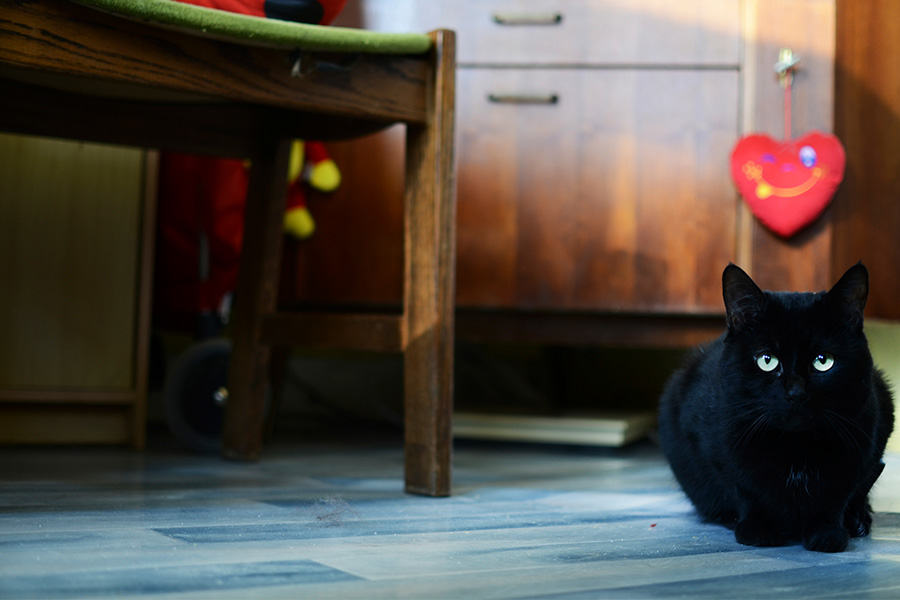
(787, 60)
(298, 64)
(304, 63)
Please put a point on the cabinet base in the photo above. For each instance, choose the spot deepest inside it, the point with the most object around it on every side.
(585, 328)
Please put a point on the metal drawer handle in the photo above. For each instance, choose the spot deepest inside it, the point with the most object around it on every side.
(547, 18)
(524, 98)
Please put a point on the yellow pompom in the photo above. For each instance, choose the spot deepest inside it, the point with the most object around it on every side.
(325, 176)
(299, 223)
(295, 166)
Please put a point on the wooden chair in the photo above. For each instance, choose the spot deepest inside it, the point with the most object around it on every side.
(132, 73)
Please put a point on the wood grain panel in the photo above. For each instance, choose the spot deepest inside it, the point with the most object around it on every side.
(610, 199)
(548, 32)
(70, 217)
(96, 53)
(366, 209)
(866, 210)
(807, 28)
(376, 333)
(429, 239)
(65, 424)
(617, 198)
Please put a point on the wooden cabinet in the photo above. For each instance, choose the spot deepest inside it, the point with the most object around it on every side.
(569, 204)
(594, 139)
(74, 292)
(621, 33)
(866, 211)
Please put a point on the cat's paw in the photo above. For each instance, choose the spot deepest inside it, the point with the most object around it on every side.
(828, 539)
(751, 534)
(859, 522)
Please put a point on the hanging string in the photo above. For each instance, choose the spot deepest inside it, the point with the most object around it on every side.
(788, 83)
(787, 60)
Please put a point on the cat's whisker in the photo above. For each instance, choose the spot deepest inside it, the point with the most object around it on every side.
(848, 423)
(750, 431)
(839, 425)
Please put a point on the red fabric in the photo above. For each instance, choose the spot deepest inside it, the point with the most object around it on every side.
(788, 184)
(244, 7)
(257, 8)
(198, 197)
(315, 152)
(332, 9)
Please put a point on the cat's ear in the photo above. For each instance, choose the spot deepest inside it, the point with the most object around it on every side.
(851, 292)
(744, 301)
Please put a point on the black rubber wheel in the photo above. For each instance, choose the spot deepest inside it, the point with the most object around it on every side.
(195, 394)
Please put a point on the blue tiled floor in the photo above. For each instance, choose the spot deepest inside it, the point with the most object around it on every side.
(330, 520)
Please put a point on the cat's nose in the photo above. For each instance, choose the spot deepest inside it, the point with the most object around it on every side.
(795, 389)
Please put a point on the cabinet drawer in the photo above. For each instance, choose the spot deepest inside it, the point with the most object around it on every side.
(613, 196)
(547, 32)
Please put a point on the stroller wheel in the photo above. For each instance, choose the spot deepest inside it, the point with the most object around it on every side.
(195, 395)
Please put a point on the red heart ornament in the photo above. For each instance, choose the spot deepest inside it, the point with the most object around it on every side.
(788, 184)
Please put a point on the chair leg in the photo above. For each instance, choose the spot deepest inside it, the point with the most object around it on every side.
(429, 286)
(256, 296)
(278, 368)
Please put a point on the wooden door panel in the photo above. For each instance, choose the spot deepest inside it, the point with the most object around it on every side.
(554, 32)
(615, 197)
(70, 217)
(807, 28)
(866, 211)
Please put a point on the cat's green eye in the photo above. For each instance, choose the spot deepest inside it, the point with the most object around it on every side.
(823, 362)
(767, 362)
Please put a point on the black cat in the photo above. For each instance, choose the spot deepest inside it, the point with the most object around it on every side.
(777, 429)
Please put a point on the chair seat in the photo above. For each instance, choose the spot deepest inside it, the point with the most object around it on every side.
(258, 31)
(189, 79)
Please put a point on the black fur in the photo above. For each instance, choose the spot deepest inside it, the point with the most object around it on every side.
(790, 453)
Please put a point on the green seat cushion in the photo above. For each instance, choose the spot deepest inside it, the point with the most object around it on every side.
(257, 30)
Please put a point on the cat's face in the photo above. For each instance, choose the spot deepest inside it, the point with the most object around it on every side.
(796, 359)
